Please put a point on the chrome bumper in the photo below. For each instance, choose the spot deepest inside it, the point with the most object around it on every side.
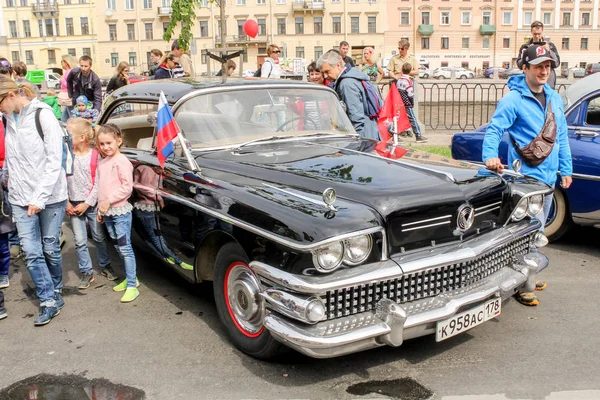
(390, 323)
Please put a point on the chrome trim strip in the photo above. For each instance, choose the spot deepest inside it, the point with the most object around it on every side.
(232, 147)
(489, 205)
(487, 211)
(427, 220)
(587, 177)
(425, 226)
(272, 236)
(317, 202)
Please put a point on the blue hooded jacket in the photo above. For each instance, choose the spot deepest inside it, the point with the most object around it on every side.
(351, 91)
(522, 115)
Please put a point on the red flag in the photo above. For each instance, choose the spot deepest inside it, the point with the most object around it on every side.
(392, 107)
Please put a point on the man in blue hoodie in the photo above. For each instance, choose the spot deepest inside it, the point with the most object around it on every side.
(347, 82)
(522, 113)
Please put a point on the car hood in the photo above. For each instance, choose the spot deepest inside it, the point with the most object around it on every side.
(403, 185)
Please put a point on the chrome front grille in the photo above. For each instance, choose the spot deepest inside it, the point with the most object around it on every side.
(428, 283)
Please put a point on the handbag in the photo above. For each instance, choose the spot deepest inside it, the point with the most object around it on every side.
(64, 100)
(541, 146)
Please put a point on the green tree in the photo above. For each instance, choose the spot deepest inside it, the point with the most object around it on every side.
(184, 12)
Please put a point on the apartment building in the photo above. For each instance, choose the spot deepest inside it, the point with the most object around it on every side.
(476, 34)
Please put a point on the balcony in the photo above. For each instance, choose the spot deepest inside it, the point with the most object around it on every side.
(242, 39)
(164, 12)
(487, 30)
(45, 9)
(307, 6)
(425, 30)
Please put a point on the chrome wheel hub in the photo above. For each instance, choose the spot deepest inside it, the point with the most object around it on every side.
(244, 299)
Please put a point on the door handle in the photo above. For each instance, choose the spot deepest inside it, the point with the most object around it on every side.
(590, 134)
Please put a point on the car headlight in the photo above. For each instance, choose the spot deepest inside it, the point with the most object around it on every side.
(521, 210)
(357, 249)
(328, 257)
(536, 203)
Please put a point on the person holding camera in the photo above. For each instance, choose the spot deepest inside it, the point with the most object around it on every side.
(538, 39)
(120, 79)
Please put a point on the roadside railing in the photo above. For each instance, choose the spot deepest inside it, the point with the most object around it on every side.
(458, 105)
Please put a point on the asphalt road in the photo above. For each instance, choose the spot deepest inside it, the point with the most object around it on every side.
(169, 344)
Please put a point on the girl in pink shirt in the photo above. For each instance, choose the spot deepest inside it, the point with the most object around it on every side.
(115, 184)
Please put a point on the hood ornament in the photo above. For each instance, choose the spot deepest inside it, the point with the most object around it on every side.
(329, 197)
(466, 217)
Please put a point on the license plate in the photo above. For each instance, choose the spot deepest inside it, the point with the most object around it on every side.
(468, 319)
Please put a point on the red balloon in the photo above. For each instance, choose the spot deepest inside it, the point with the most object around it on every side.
(251, 28)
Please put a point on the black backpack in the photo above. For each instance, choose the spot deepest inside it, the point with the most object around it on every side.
(258, 72)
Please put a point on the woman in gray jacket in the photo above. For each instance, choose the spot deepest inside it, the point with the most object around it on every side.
(37, 189)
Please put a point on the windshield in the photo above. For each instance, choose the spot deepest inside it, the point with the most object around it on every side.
(238, 116)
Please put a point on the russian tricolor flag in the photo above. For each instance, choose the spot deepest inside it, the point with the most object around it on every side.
(167, 130)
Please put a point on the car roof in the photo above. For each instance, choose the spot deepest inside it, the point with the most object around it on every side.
(582, 88)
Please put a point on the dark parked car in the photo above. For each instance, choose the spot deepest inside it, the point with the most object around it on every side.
(592, 68)
(507, 73)
(577, 72)
(489, 72)
(579, 204)
(313, 237)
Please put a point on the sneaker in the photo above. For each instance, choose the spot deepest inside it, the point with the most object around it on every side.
(527, 298)
(109, 273)
(186, 266)
(170, 260)
(123, 285)
(4, 282)
(60, 303)
(46, 315)
(15, 252)
(539, 285)
(130, 295)
(422, 139)
(3, 314)
(86, 279)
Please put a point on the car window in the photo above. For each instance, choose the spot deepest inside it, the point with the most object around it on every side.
(232, 117)
(132, 118)
(592, 116)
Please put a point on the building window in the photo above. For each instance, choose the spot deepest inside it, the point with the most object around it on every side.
(547, 19)
(404, 18)
(425, 43)
(23, 3)
(261, 1)
(240, 28)
(82, 1)
(337, 24)
(12, 27)
(130, 31)
(371, 24)
(527, 18)
(354, 26)
(445, 43)
(10, 3)
(15, 56)
(86, 51)
(486, 18)
(72, 52)
(354, 1)
(51, 56)
(506, 43)
(299, 52)
(425, 18)
(49, 27)
(445, 18)
(41, 27)
(69, 25)
(148, 58)
(132, 58)
(318, 52)
(585, 19)
(262, 27)
(129, 4)
(85, 27)
(465, 18)
(147, 4)
(584, 43)
(464, 64)
(281, 26)
(240, 2)
(485, 44)
(111, 4)
(465, 43)
(507, 18)
(204, 28)
(150, 32)
(444, 64)
(318, 22)
(67, 1)
(566, 20)
(565, 43)
(112, 32)
(299, 25)
(166, 25)
(26, 29)
(114, 59)
(280, 2)
(29, 57)
(56, 26)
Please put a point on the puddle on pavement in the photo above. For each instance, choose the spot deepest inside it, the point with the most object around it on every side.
(69, 387)
(401, 389)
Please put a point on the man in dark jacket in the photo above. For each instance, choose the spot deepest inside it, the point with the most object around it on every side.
(537, 38)
(349, 86)
(84, 81)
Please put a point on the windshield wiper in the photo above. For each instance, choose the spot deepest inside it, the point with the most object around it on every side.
(327, 134)
(263, 139)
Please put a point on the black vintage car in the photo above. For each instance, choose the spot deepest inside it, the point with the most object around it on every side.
(314, 238)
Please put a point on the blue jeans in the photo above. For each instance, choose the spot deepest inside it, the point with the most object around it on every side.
(153, 236)
(81, 239)
(4, 254)
(39, 236)
(119, 229)
(66, 114)
(410, 112)
(543, 215)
